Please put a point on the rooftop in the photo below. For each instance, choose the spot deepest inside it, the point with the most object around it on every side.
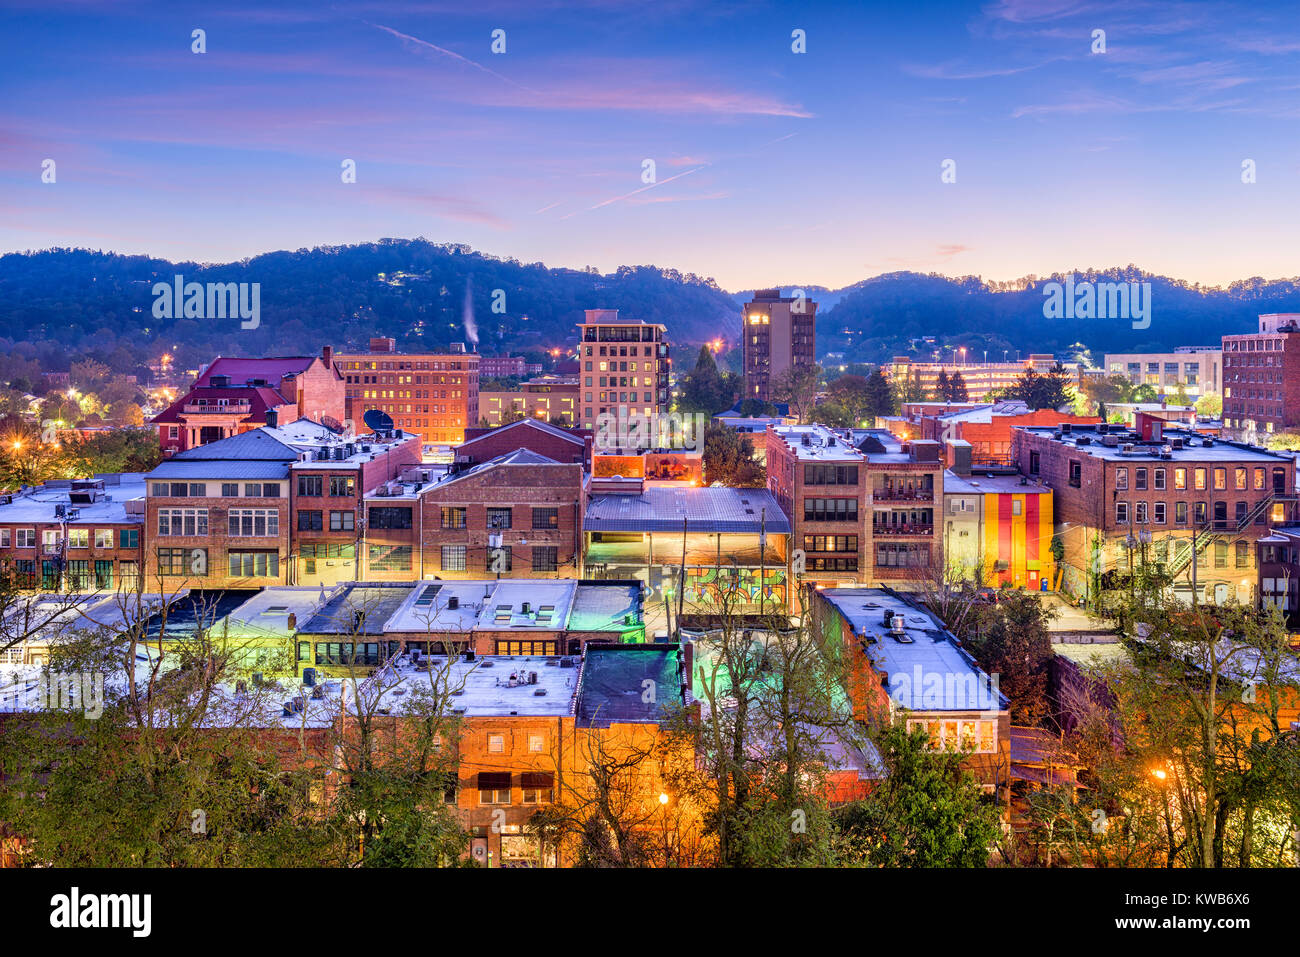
(664, 508)
(614, 687)
(979, 483)
(95, 506)
(923, 666)
(1179, 445)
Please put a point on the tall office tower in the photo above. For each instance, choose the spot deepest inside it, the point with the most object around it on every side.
(779, 332)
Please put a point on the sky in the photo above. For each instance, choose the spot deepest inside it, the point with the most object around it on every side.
(770, 166)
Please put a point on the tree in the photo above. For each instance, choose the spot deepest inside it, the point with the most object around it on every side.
(729, 458)
(881, 396)
(851, 394)
(706, 389)
(1012, 641)
(927, 812)
(1050, 391)
(797, 386)
(1210, 406)
(943, 388)
(957, 386)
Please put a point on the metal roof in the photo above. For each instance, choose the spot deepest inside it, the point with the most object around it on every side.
(173, 469)
(256, 444)
(662, 509)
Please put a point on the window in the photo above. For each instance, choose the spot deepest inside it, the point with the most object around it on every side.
(1220, 554)
(343, 521)
(1239, 479)
(1121, 479)
(1121, 513)
(1180, 513)
(78, 574)
(311, 520)
(453, 558)
(453, 516)
(545, 558)
(342, 485)
(4, 537)
(546, 518)
(1200, 513)
(128, 538)
(498, 560)
(496, 744)
(1159, 508)
(1034, 463)
(311, 485)
(175, 562)
(1242, 556)
(1140, 513)
(830, 543)
(269, 490)
(229, 489)
(390, 558)
(255, 522)
(1140, 480)
(830, 509)
(103, 538)
(182, 521)
(830, 475)
(1200, 480)
(537, 787)
(254, 564)
(389, 516)
(1259, 479)
(103, 573)
(78, 538)
(536, 743)
(494, 787)
(1076, 474)
(1180, 479)
(25, 538)
(1160, 480)
(499, 517)
(1220, 479)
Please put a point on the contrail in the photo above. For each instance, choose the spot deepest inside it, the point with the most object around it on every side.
(445, 52)
(635, 191)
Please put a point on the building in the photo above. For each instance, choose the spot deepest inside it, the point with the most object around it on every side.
(234, 513)
(431, 394)
(560, 445)
(981, 378)
(997, 529)
(904, 665)
(829, 481)
(778, 332)
(625, 368)
(1197, 370)
(501, 367)
(1189, 505)
(546, 398)
(80, 535)
(518, 515)
(988, 428)
(1261, 379)
(1278, 560)
(231, 396)
(731, 539)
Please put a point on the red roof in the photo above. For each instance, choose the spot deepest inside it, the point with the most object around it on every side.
(273, 370)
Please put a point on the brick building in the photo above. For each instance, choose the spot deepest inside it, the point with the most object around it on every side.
(433, 395)
(232, 395)
(1261, 379)
(828, 482)
(625, 367)
(78, 535)
(778, 332)
(988, 428)
(1191, 505)
(557, 444)
(518, 515)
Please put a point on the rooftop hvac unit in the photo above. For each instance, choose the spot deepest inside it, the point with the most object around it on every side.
(1066, 428)
(453, 602)
(1111, 441)
(525, 608)
(1103, 428)
(1127, 449)
(1176, 443)
(1083, 440)
(1207, 442)
(309, 677)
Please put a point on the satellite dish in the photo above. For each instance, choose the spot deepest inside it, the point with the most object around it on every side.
(377, 420)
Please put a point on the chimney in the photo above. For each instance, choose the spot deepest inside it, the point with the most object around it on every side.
(272, 419)
(327, 355)
(959, 457)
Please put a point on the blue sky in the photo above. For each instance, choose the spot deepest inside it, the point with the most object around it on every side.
(772, 167)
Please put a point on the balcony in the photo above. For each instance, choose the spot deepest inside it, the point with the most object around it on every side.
(902, 495)
(903, 528)
(230, 408)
